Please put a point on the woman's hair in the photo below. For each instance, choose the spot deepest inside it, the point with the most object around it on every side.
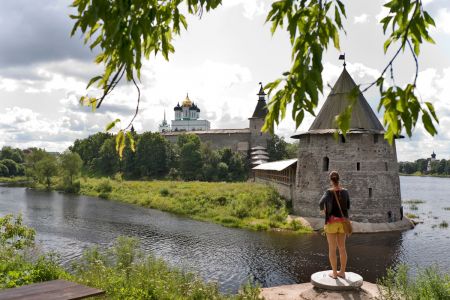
(334, 177)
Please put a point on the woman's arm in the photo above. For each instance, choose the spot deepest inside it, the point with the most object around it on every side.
(322, 202)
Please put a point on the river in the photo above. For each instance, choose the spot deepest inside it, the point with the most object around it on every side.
(69, 224)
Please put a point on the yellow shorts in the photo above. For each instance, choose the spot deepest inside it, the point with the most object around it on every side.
(336, 227)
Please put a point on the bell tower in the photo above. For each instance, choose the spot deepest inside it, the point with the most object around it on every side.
(256, 121)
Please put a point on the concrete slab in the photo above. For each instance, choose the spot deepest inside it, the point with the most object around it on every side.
(306, 291)
(358, 227)
(352, 281)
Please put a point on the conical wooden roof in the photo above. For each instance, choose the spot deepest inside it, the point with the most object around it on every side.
(363, 117)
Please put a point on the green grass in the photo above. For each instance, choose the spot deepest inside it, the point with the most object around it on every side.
(242, 205)
(443, 224)
(17, 179)
(412, 216)
(413, 201)
(123, 271)
(430, 283)
(413, 207)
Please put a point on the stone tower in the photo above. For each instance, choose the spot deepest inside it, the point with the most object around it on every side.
(364, 159)
(256, 121)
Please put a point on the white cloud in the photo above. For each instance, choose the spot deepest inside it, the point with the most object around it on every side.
(364, 18)
(252, 8)
(442, 21)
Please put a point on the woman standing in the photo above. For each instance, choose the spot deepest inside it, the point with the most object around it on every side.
(335, 204)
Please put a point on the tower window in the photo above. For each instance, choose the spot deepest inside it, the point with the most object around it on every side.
(358, 166)
(370, 192)
(326, 164)
(342, 137)
(375, 138)
(386, 166)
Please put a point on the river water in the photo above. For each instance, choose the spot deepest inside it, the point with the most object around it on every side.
(69, 224)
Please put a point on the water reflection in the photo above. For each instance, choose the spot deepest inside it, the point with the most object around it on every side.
(70, 224)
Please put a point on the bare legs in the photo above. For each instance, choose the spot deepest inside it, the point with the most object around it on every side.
(342, 253)
(332, 245)
(337, 240)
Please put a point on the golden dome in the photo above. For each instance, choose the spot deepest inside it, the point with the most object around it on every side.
(187, 102)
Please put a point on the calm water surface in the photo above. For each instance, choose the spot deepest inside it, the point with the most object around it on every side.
(69, 224)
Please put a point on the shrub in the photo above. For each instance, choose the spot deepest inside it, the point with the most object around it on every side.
(104, 187)
(413, 207)
(443, 224)
(4, 170)
(164, 192)
(221, 200)
(412, 216)
(240, 210)
(429, 283)
(12, 166)
(72, 188)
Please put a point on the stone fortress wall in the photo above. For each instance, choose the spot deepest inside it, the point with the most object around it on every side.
(368, 168)
(235, 139)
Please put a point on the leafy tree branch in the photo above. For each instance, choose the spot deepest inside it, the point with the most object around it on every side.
(128, 30)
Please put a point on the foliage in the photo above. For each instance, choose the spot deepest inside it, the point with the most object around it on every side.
(17, 266)
(104, 188)
(190, 156)
(88, 149)
(245, 205)
(47, 168)
(277, 148)
(413, 201)
(152, 156)
(107, 162)
(4, 171)
(14, 234)
(71, 164)
(123, 272)
(429, 283)
(125, 34)
(16, 154)
(420, 166)
(12, 166)
(412, 216)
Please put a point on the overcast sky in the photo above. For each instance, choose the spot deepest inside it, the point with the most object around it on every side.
(218, 61)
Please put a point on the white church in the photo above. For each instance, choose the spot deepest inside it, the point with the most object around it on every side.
(187, 118)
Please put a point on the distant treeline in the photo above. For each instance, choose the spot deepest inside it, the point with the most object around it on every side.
(156, 158)
(153, 158)
(420, 166)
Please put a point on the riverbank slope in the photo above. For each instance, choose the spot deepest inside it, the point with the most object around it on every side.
(241, 204)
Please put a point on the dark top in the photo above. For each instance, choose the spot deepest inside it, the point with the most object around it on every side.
(328, 202)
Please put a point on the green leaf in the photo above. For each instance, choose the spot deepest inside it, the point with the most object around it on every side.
(93, 80)
(112, 125)
(428, 124)
(131, 140)
(120, 143)
(432, 111)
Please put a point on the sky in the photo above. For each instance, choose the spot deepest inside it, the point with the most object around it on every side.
(219, 61)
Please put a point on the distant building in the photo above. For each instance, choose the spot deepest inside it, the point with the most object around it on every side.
(187, 117)
(242, 139)
(430, 160)
(164, 126)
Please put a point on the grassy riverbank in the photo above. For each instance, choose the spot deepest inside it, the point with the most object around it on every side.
(420, 174)
(123, 271)
(241, 205)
